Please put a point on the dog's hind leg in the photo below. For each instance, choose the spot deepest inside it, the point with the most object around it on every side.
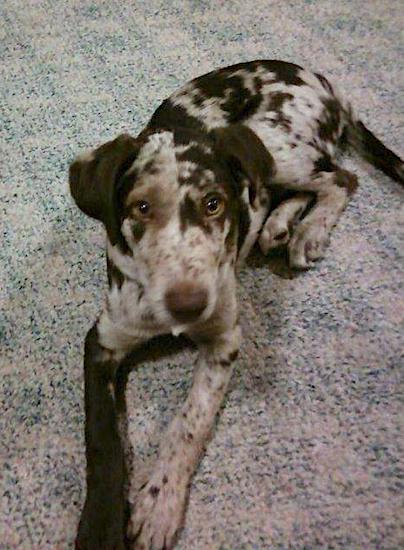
(277, 229)
(311, 235)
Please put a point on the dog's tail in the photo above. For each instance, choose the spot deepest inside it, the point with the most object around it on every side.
(373, 150)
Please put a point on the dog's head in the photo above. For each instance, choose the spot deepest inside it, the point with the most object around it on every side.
(173, 204)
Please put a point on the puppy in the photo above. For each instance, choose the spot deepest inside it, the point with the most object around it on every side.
(182, 205)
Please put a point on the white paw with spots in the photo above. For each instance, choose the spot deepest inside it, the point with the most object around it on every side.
(274, 234)
(278, 228)
(158, 514)
(307, 245)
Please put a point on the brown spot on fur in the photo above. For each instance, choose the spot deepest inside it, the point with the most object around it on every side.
(245, 154)
(188, 437)
(237, 101)
(141, 291)
(138, 230)
(276, 101)
(249, 106)
(169, 115)
(150, 168)
(281, 235)
(329, 124)
(154, 491)
(347, 180)
(165, 480)
(227, 362)
(114, 274)
(286, 72)
(324, 164)
(190, 215)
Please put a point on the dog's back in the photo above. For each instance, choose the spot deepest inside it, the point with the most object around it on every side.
(299, 115)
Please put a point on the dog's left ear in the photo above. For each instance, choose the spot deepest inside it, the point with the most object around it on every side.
(246, 156)
(94, 177)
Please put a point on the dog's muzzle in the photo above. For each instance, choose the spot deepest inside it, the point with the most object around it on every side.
(186, 301)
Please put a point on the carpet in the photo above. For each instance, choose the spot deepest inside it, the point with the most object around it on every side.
(307, 452)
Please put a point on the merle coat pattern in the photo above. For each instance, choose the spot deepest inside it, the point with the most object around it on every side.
(182, 204)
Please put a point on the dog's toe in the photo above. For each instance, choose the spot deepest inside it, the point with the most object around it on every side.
(272, 236)
(307, 245)
(157, 517)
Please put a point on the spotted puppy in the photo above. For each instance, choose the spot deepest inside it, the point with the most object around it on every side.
(182, 205)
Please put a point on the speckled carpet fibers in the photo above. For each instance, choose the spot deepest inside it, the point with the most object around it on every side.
(307, 450)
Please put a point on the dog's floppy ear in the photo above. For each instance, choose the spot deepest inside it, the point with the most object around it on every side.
(246, 156)
(93, 179)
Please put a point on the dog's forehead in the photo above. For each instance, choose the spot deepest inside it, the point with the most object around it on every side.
(193, 174)
(156, 155)
(174, 161)
(199, 166)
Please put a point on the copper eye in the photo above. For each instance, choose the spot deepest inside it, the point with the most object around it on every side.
(143, 207)
(214, 205)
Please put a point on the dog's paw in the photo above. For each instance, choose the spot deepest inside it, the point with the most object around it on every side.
(275, 233)
(158, 514)
(100, 530)
(307, 245)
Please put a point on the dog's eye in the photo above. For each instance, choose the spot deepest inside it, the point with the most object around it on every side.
(143, 207)
(214, 205)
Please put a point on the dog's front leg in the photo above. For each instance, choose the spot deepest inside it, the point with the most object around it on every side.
(102, 520)
(160, 504)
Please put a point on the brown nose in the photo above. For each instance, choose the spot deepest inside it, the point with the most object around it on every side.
(186, 301)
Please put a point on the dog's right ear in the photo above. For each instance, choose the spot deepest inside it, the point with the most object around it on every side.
(93, 179)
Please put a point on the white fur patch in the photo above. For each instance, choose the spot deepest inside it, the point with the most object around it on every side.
(209, 112)
(159, 148)
(124, 262)
(186, 169)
